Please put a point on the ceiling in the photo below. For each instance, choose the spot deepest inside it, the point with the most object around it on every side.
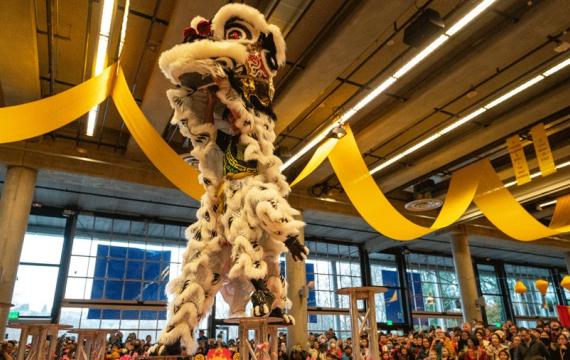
(338, 50)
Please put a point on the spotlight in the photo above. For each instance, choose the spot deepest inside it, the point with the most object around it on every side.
(338, 132)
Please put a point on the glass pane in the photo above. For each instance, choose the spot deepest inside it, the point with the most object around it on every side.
(40, 248)
(532, 303)
(34, 290)
(494, 309)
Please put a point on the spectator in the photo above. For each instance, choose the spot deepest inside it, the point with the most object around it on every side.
(530, 347)
(559, 349)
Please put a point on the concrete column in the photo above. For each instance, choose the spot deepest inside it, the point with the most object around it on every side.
(15, 204)
(298, 292)
(465, 275)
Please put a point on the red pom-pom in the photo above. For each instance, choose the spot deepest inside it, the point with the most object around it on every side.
(204, 28)
(189, 31)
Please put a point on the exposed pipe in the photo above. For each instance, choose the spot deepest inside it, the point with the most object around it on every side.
(85, 63)
(50, 11)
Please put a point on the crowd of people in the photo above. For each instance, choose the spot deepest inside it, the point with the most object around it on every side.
(473, 341)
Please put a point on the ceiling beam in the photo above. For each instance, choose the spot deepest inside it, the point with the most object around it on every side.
(357, 32)
(19, 69)
(540, 21)
(523, 115)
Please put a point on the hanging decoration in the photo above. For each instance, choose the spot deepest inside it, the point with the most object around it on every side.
(542, 286)
(565, 283)
(478, 182)
(520, 287)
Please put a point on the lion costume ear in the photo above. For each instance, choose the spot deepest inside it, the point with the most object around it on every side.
(279, 44)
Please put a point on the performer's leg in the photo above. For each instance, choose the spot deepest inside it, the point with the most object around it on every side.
(276, 281)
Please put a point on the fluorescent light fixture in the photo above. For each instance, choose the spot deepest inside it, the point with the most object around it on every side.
(557, 68)
(514, 91)
(101, 56)
(464, 21)
(462, 121)
(372, 95)
(422, 55)
(537, 174)
(548, 203)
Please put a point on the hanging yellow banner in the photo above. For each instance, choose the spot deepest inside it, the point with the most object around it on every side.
(542, 150)
(477, 182)
(518, 159)
(170, 164)
(318, 157)
(21, 122)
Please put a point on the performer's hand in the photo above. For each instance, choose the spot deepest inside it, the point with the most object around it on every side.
(299, 252)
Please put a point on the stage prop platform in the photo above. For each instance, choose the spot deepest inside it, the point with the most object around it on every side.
(366, 323)
(40, 334)
(91, 343)
(265, 331)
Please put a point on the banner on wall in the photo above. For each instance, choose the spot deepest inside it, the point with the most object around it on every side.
(123, 273)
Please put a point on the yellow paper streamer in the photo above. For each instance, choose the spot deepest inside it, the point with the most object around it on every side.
(478, 182)
(375, 208)
(21, 122)
(318, 157)
(518, 159)
(166, 160)
(542, 150)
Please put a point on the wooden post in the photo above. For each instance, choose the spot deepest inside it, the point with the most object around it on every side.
(260, 326)
(367, 322)
(39, 333)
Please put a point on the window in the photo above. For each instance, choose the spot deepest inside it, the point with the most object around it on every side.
(39, 267)
(531, 304)
(433, 288)
(384, 272)
(123, 262)
(491, 292)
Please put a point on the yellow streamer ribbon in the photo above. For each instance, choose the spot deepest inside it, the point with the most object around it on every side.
(166, 160)
(478, 182)
(21, 122)
(373, 205)
(318, 157)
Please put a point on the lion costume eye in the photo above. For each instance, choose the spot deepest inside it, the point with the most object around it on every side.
(237, 29)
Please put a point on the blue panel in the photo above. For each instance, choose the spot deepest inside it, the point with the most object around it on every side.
(135, 253)
(115, 262)
(150, 292)
(118, 252)
(114, 290)
(415, 280)
(393, 309)
(152, 271)
(312, 297)
(111, 314)
(132, 290)
(97, 289)
(130, 315)
(116, 269)
(148, 315)
(134, 270)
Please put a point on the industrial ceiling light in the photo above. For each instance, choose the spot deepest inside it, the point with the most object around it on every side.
(101, 56)
(455, 28)
(463, 120)
(537, 174)
(338, 132)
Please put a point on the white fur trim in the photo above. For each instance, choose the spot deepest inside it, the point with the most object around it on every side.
(198, 57)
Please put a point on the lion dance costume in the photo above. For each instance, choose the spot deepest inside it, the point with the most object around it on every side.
(223, 103)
